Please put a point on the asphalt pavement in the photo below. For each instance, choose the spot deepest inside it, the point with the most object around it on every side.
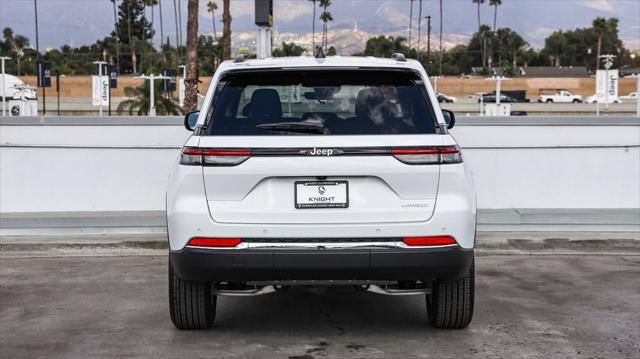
(527, 306)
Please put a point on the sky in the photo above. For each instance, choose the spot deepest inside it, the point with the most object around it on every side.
(79, 22)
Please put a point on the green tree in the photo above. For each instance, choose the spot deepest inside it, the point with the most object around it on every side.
(383, 46)
(575, 47)
(133, 29)
(554, 45)
(209, 54)
(509, 45)
(15, 46)
(139, 101)
(288, 50)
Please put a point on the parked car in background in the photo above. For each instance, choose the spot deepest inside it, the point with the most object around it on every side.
(631, 97)
(594, 99)
(491, 97)
(560, 96)
(446, 98)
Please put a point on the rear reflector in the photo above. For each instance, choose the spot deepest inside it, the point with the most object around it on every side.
(214, 242)
(429, 241)
(194, 156)
(428, 155)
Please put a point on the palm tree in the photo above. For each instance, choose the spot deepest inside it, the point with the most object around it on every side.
(139, 101)
(440, 47)
(482, 40)
(149, 3)
(410, 20)
(325, 17)
(599, 27)
(212, 7)
(483, 32)
(510, 43)
(419, 28)
(555, 45)
(175, 19)
(226, 30)
(115, 25)
(313, 27)
(180, 22)
(161, 25)
(191, 80)
(495, 4)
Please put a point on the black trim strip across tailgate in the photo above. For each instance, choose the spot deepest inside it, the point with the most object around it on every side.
(321, 151)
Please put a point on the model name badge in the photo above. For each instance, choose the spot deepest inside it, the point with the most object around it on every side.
(322, 152)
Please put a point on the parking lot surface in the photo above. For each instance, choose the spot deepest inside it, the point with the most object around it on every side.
(526, 306)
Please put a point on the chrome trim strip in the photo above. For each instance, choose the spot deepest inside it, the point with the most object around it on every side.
(244, 292)
(323, 245)
(373, 288)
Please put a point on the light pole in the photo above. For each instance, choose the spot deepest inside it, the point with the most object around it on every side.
(4, 95)
(100, 65)
(152, 99)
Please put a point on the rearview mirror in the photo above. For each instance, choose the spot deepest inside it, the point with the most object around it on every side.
(449, 118)
(190, 120)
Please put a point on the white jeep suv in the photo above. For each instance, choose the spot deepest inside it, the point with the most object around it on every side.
(316, 172)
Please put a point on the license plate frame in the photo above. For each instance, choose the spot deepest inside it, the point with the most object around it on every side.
(318, 184)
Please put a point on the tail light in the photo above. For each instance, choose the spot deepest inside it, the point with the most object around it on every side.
(194, 156)
(214, 242)
(429, 241)
(428, 155)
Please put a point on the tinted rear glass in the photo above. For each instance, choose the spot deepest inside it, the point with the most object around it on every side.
(329, 102)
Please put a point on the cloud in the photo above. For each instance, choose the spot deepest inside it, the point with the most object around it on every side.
(600, 5)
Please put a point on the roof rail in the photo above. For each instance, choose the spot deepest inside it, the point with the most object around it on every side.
(399, 56)
(319, 53)
(241, 58)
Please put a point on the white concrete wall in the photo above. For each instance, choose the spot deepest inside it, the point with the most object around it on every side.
(97, 167)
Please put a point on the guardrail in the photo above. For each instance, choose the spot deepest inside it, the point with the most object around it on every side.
(529, 171)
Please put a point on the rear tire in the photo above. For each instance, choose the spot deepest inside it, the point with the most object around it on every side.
(576, 101)
(191, 304)
(450, 305)
(549, 101)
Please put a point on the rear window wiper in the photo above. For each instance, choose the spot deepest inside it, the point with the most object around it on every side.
(303, 127)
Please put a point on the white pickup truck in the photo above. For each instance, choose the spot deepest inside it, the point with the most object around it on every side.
(560, 96)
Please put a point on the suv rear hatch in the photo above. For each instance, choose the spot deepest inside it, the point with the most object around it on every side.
(321, 146)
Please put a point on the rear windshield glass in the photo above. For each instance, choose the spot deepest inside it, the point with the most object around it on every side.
(320, 102)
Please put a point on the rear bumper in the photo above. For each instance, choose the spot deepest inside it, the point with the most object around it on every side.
(201, 264)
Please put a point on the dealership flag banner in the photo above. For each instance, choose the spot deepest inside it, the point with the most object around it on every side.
(604, 85)
(100, 93)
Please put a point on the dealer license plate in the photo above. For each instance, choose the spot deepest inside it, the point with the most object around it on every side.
(322, 194)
